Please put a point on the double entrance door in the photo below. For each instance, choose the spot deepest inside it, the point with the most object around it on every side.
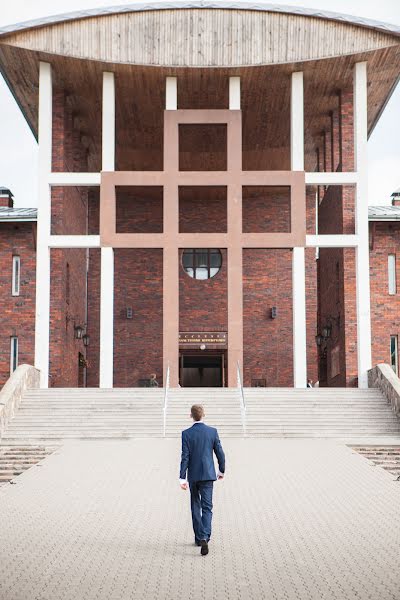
(202, 368)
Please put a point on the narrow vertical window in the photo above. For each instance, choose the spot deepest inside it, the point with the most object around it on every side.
(13, 354)
(393, 354)
(392, 273)
(16, 275)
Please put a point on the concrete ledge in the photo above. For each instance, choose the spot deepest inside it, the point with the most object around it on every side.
(383, 377)
(24, 377)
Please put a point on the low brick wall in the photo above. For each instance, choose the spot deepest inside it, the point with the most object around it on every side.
(383, 377)
(24, 377)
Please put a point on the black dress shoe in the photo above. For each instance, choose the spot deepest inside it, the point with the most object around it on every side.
(204, 547)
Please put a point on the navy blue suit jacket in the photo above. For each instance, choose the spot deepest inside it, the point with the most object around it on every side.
(198, 444)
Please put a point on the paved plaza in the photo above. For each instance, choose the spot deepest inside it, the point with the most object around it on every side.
(293, 520)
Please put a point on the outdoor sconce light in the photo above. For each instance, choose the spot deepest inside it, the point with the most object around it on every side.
(202, 347)
(129, 313)
(86, 339)
(319, 339)
(78, 332)
(326, 331)
(274, 312)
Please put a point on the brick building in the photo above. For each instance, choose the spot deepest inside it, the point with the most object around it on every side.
(203, 214)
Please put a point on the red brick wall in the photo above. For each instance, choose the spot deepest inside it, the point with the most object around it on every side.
(311, 288)
(268, 343)
(337, 300)
(385, 308)
(93, 322)
(203, 305)
(266, 209)
(139, 209)
(69, 216)
(202, 209)
(138, 342)
(17, 314)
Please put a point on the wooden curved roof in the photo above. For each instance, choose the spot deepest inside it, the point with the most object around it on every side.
(209, 34)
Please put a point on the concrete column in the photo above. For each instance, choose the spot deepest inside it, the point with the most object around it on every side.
(298, 262)
(235, 251)
(297, 123)
(362, 250)
(234, 93)
(171, 313)
(108, 123)
(42, 317)
(107, 318)
(107, 254)
(299, 319)
(170, 250)
(171, 93)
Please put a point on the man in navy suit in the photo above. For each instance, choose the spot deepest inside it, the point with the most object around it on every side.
(198, 444)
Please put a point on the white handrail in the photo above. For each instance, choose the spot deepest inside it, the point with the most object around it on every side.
(166, 388)
(241, 396)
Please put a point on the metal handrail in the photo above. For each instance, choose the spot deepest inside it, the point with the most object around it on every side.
(240, 387)
(166, 388)
(241, 396)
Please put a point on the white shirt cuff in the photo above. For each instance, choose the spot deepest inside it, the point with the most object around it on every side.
(219, 474)
(182, 481)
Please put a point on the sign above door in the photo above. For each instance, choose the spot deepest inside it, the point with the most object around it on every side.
(203, 340)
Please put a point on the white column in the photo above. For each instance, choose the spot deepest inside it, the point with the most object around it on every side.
(42, 317)
(297, 123)
(107, 318)
(298, 259)
(107, 254)
(299, 319)
(234, 93)
(108, 123)
(362, 251)
(171, 93)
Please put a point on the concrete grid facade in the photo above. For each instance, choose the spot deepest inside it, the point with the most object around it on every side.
(170, 306)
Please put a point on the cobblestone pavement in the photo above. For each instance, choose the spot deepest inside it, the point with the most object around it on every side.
(292, 520)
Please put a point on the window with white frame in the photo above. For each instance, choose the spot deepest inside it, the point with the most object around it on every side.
(393, 354)
(392, 274)
(16, 275)
(13, 354)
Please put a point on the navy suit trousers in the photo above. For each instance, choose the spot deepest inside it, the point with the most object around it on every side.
(201, 493)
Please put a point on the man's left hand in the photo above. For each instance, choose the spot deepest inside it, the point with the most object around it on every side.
(184, 486)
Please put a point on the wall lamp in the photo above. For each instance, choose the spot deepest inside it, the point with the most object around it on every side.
(78, 331)
(327, 330)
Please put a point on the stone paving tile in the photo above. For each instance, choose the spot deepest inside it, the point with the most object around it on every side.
(293, 520)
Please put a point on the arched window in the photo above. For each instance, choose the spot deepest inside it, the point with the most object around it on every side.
(201, 263)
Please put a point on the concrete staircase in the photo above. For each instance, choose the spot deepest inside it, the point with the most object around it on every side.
(342, 413)
(47, 417)
(57, 414)
(14, 460)
(221, 405)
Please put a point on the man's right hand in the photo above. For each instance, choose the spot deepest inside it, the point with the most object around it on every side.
(184, 486)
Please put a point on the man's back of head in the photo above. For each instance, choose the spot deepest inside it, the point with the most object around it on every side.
(197, 412)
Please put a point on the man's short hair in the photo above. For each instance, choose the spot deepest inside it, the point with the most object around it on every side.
(197, 412)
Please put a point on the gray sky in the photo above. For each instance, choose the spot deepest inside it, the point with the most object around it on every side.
(18, 151)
